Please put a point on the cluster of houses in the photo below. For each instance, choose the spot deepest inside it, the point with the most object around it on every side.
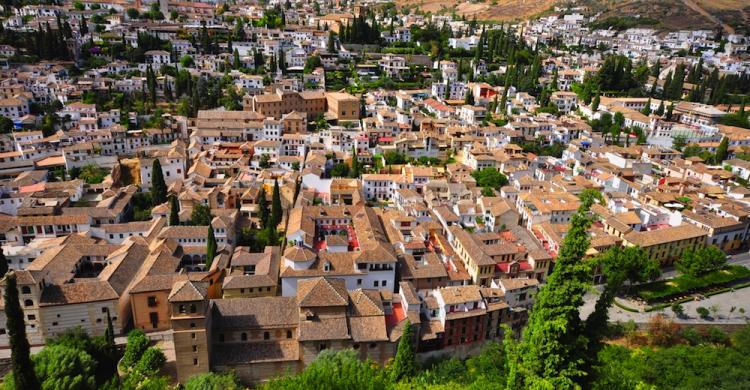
(408, 235)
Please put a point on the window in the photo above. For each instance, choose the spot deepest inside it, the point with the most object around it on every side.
(266, 335)
(28, 302)
(192, 308)
(359, 282)
(195, 362)
(192, 335)
(151, 301)
(25, 290)
(375, 283)
(221, 337)
(289, 334)
(243, 336)
(195, 348)
(31, 317)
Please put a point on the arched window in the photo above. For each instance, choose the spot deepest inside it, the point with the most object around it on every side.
(243, 336)
(28, 302)
(25, 290)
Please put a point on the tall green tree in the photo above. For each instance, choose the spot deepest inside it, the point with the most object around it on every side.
(721, 151)
(210, 247)
(3, 263)
(22, 367)
(552, 350)
(158, 185)
(263, 212)
(469, 99)
(174, 211)
(276, 210)
(405, 363)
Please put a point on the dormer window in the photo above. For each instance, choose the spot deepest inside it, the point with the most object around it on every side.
(326, 267)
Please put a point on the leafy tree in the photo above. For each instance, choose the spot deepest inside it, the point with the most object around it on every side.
(678, 310)
(695, 262)
(333, 370)
(22, 367)
(678, 142)
(394, 158)
(340, 170)
(264, 161)
(151, 361)
(488, 191)
(158, 185)
(201, 215)
(137, 344)
(174, 211)
(63, 367)
(405, 363)
(210, 247)
(620, 266)
(211, 380)
(489, 177)
(702, 312)
(276, 210)
(552, 350)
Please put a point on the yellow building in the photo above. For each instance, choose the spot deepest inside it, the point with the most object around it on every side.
(667, 245)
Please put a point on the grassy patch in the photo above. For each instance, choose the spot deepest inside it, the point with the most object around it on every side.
(683, 284)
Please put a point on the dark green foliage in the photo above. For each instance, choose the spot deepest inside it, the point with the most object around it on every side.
(151, 361)
(340, 170)
(405, 364)
(22, 367)
(263, 211)
(174, 211)
(137, 344)
(61, 367)
(3, 263)
(660, 290)
(201, 215)
(696, 262)
(210, 247)
(678, 367)
(275, 217)
(158, 185)
(552, 351)
(489, 177)
(213, 381)
(394, 158)
(334, 370)
(721, 151)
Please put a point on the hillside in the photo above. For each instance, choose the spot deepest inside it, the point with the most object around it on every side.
(732, 15)
(499, 10)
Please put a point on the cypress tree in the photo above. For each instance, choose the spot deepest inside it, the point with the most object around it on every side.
(469, 99)
(174, 211)
(275, 206)
(595, 103)
(405, 364)
(158, 186)
(3, 263)
(23, 368)
(356, 169)
(721, 151)
(552, 351)
(210, 247)
(263, 207)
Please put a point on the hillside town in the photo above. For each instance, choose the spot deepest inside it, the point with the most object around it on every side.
(250, 184)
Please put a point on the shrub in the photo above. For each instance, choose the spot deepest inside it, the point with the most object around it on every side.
(703, 312)
(136, 346)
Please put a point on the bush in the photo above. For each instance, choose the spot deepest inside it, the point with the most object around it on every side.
(151, 362)
(702, 312)
(212, 380)
(678, 310)
(692, 336)
(137, 344)
(717, 336)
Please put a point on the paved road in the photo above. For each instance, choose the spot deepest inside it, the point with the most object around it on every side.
(728, 306)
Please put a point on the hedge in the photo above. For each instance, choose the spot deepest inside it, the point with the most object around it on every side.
(663, 289)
